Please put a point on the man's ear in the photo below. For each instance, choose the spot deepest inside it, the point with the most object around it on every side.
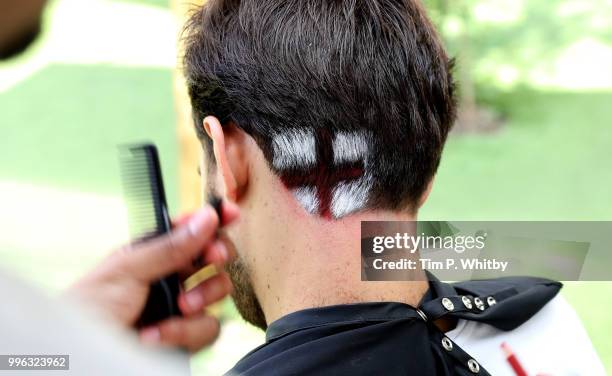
(426, 193)
(229, 148)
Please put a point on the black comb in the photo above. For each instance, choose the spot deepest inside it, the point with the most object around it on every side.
(147, 218)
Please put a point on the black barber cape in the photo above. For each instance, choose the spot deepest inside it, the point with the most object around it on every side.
(394, 338)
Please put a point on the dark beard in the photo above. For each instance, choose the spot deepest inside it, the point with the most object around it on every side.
(243, 294)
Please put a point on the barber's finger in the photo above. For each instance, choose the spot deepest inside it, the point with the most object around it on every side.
(215, 253)
(168, 253)
(218, 254)
(181, 219)
(190, 333)
(210, 291)
(229, 212)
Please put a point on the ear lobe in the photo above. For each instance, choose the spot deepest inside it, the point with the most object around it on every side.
(221, 142)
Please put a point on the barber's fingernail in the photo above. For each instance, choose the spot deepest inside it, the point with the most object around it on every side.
(150, 335)
(199, 220)
(194, 300)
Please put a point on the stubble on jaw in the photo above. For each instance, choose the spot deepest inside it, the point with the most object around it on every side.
(244, 295)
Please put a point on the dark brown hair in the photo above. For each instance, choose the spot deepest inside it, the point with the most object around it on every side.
(378, 66)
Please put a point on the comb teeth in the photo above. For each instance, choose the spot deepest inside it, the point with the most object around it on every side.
(143, 190)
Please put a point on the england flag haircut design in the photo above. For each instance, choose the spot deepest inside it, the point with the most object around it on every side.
(294, 148)
(328, 174)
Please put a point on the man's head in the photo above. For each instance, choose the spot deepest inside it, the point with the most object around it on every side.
(315, 111)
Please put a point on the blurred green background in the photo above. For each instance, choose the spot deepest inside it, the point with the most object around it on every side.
(533, 142)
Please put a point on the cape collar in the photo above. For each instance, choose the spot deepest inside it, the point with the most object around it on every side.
(504, 303)
(353, 313)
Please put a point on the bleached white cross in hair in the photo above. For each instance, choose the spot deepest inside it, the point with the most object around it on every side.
(327, 173)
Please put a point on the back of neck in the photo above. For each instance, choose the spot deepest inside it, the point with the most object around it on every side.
(316, 262)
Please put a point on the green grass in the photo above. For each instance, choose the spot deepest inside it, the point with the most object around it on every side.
(158, 3)
(63, 125)
(550, 162)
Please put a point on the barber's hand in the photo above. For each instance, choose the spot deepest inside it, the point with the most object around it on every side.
(119, 286)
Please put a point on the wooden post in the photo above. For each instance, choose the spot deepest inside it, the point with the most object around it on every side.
(189, 147)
